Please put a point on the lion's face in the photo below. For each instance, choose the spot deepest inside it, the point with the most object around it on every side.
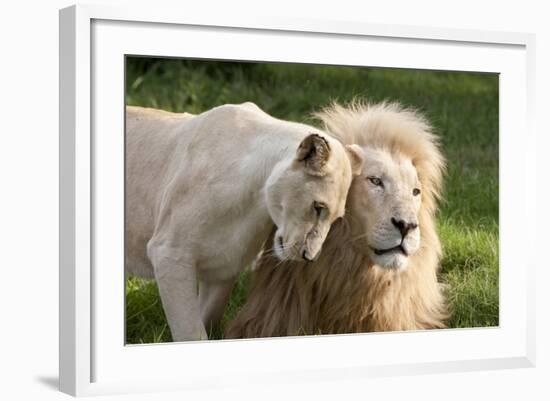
(385, 202)
(306, 195)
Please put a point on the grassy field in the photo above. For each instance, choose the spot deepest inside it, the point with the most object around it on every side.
(463, 107)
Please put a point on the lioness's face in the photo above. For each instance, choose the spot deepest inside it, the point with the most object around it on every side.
(385, 202)
(306, 196)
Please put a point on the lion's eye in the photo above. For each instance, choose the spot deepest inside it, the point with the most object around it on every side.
(376, 181)
(319, 208)
(416, 192)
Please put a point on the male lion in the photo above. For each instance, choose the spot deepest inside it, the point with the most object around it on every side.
(203, 193)
(378, 268)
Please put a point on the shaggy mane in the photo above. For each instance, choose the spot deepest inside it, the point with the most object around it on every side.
(343, 291)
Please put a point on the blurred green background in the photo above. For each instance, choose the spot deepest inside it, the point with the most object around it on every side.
(463, 108)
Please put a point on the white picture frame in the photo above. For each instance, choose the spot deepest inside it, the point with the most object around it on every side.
(93, 357)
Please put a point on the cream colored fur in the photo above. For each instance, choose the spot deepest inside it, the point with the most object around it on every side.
(203, 193)
(350, 288)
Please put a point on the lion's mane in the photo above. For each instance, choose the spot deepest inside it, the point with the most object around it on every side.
(343, 291)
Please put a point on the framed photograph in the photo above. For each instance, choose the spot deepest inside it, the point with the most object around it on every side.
(428, 131)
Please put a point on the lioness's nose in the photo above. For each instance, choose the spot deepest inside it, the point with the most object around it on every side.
(307, 257)
(403, 226)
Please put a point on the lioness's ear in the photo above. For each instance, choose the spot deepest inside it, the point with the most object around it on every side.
(355, 154)
(314, 152)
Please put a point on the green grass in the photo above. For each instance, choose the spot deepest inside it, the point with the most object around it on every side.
(463, 107)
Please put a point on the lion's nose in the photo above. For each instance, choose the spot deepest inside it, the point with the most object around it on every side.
(403, 226)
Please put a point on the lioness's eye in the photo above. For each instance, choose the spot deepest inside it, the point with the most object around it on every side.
(416, 191)
(376, 181)
(319, 208)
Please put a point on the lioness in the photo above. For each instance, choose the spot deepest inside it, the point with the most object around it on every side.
(203, 193)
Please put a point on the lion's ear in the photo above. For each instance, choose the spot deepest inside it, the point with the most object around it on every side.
(355, 155)
(313, 153)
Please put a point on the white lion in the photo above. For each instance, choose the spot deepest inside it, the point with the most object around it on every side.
(204, 192)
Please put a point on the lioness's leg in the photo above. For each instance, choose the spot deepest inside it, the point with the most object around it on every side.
(177, 284)
(213, 298)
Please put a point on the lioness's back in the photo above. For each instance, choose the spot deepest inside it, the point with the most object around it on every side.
(136, 112)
